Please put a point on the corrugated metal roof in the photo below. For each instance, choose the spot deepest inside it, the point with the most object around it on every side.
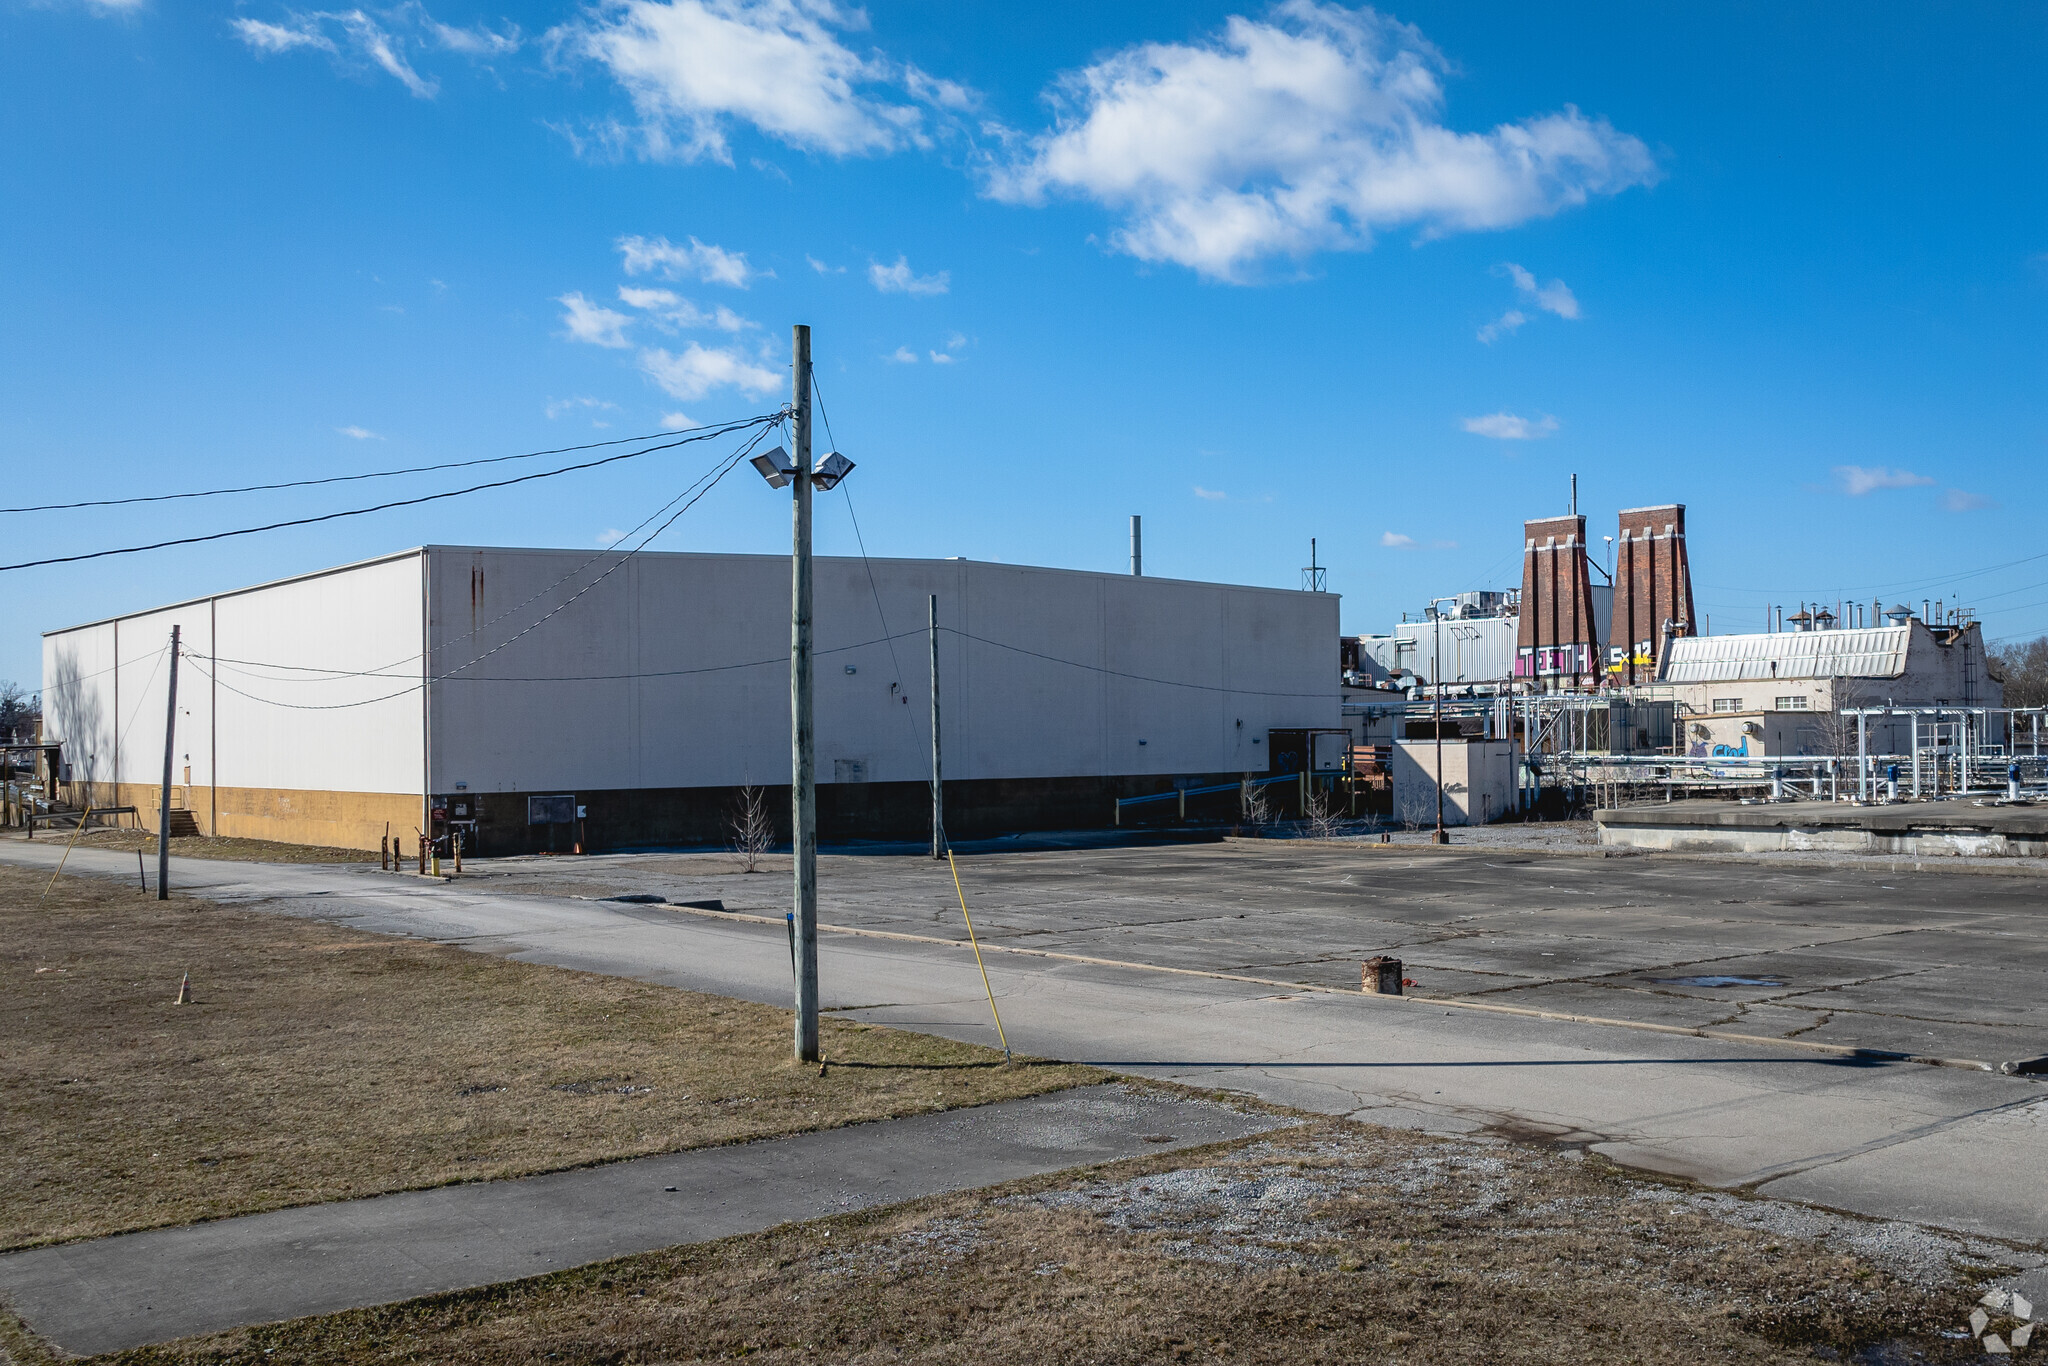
(1873, 652)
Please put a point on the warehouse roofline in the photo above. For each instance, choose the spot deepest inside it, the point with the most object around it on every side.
(645, 554)
(246, 588)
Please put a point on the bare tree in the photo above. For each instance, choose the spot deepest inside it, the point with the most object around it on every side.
(2022, 667)
(1838, 729)
(1253, 806)
(751, 831)
(18, 713)
(1322, 822)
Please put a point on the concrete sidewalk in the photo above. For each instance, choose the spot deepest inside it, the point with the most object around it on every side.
(115, 1293)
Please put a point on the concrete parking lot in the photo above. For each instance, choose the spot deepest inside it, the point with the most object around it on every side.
(1949, 964)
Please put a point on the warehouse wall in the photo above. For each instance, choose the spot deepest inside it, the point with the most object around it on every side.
(705, 639)
(268, 746)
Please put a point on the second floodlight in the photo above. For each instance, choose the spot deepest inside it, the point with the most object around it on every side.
(831, 470)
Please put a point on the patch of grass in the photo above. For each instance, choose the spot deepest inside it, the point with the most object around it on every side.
(1338, 1243)
(207, 846)
(318, 1063)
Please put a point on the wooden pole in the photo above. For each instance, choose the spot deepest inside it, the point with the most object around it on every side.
(938, 773)
(803, 740)
(163, 814)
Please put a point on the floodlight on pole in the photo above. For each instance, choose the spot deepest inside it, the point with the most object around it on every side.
(829, 471)
(775, 466)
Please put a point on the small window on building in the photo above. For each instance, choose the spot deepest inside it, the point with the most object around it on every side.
(1791, 704)
(1727, 704)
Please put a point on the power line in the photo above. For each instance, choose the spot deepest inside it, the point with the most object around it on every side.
(399, 503)
(754, 664)
(713, 474)
(726, 468)
(348, 478)
(636, 676)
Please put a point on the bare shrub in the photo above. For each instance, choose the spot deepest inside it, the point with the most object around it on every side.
(1322, 821)
(751, 832)
(1253, 806)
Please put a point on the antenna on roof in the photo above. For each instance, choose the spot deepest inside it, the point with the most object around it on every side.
(1314, 578)
(1575, 495)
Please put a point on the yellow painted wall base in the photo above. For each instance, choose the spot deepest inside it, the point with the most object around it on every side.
(340, 820)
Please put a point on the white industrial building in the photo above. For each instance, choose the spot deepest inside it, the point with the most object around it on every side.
(1472, 646)
(543, 697)
(1770, 694)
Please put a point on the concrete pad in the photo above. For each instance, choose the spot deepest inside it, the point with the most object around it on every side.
(115, 1293)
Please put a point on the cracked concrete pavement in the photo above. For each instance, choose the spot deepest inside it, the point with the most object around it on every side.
(1866, 957)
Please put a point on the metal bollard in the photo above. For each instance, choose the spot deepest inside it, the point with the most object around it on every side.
(2012, 782)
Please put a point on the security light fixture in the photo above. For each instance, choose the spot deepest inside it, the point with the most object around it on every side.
(775, 467)
(829, 471)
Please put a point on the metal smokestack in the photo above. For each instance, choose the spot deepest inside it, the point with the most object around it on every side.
(1137, 546)
(1575, 495)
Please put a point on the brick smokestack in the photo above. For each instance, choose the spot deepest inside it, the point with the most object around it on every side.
(1652, 591)
(1558, 643)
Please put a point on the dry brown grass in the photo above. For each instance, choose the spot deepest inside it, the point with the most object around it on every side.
(1338, 1244)
(206, 846)
(319, 1063)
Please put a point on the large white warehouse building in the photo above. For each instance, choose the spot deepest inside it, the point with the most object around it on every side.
(547, 696)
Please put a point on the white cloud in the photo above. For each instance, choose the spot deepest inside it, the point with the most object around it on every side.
(822, 268)
(701, 369)
(1508, 427)
(677, 422)
(714, 265)
(359, 433)
(593, 323)
(902, 355)
(899, 279)
(1502, 326)
(558, 406)
(1212, 495)
(1555, 297)
(274, 38)
(676, 311)
(353, 37)
(956, 341)
(648, 298)
(1956, 500)
(693, 67)
(610, 536)
(1313, 128)
(942, 358)
(1857, 480)
(114, 6)
(1394, 540)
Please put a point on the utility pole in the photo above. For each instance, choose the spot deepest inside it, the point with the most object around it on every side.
(1436, 668)
(803, 739)
(938, 774)
(163, 812)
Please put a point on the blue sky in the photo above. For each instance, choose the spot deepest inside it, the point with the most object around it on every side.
(1260, 274)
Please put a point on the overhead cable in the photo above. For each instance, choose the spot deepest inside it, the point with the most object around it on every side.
(348, 478)
(714, 474)
(396, 503)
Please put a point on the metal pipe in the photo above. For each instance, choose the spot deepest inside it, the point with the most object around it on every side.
(1137, 546)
